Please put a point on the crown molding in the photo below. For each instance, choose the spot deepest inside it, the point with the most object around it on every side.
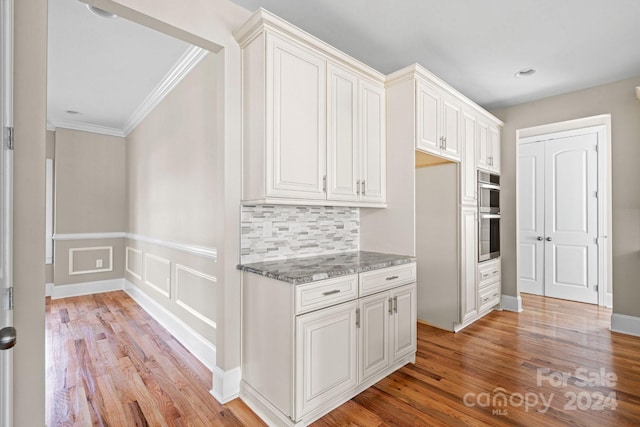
(182, 67)
(187, 62)
(88, 127)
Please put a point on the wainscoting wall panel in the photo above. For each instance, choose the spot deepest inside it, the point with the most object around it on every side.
(133, 262)
(90, 260)
(194, 292)
(176, 277)
(157, 274)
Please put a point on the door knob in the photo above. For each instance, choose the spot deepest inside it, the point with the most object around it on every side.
(548, 239)
(540, 238)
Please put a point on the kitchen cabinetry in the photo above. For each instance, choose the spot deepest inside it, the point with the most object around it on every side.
(356, 151)
(313, 120)
(468, 174)
(488, 285)
(309, 348)
(488, 147)
(438, 122)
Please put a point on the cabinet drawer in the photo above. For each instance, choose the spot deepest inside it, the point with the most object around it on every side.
(315, 295)
(489, 297)
(488, 272)
(386, 278)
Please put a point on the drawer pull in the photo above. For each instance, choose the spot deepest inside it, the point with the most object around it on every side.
(335, 291)
(484, 276)
(392, 277)
(495, 272)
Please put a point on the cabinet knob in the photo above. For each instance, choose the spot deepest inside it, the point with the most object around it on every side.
(548, 239)
(539, 238)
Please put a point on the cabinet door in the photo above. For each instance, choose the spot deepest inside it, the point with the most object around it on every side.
(428, 119)
(468, 180)
(404, 321)
(342, 140)
(326, 356)
(374, 334)
(451, 120)
(483, 145)
(296, 127)
(494, 142)
(468, 277)
(373, 143)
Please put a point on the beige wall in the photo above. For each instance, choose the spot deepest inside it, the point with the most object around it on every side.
(617, 99)
(173, 192)
(89, 198)
(90, 182)
(171, 174)
(30, 100)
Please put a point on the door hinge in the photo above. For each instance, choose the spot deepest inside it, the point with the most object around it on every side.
(357, 317)
(595, 193)
(596, 288)
(9, 137)
(324, 184)
(10, 298)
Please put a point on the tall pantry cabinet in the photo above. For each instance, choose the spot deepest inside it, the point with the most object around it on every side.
(452, 137)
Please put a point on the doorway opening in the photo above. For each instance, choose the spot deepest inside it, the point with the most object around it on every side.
(564, 207)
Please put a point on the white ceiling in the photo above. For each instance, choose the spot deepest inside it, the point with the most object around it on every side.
(478, 45)
(105, 69)
(109, 69)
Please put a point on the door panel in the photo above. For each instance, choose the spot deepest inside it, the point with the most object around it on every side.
(374, 168)
(531, 218)
(428, 119)
(374, 335)
(404, 325)
(6, 207)
(571, 218)
(326, 348)
(451, 128)
(298, 125)
(342, 150)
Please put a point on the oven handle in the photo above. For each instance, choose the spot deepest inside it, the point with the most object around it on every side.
(489, 216)
(489, 186)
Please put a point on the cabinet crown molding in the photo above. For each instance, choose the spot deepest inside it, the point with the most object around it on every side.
(262, 20)
(418, 72)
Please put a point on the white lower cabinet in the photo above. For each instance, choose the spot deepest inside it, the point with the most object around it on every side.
(298, 365)
(387, 329)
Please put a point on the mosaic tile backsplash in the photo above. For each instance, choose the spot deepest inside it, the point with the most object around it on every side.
(275, 232)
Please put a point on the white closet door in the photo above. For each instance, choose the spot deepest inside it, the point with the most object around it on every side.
(531, 218)
(571, 211)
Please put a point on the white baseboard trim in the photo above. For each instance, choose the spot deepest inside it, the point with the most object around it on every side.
(624, 324)
(193, 341)
(510, 303)
(226, 384)
(48, 289)
(85, 288)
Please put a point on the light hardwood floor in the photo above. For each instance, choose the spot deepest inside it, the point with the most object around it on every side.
(109, 363)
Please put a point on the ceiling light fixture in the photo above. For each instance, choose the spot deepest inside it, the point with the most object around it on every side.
(101, 13)
(525, 72)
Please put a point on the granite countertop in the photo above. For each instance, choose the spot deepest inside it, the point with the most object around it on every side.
(311, 269)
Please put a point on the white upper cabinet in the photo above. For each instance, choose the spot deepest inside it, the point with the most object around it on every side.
(313, 120)
(488, 147)
(356, 151)
(295, 137)
(373, 147)
(438, 122)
